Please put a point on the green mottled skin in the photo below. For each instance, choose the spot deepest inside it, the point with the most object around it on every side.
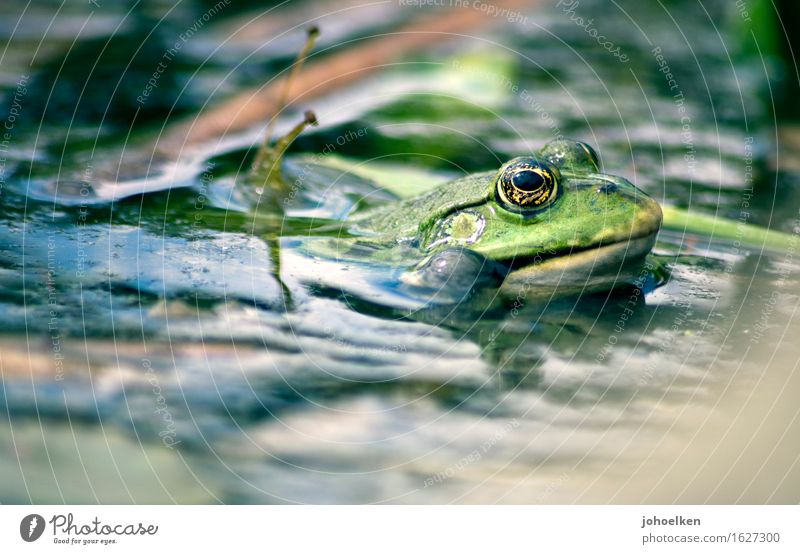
(405, 220)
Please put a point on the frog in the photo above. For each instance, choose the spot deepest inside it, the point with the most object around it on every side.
(547, 223)
(543, 221)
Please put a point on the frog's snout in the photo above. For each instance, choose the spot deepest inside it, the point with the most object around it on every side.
(648, 211)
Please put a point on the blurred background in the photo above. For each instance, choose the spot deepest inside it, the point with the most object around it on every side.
(144, 353)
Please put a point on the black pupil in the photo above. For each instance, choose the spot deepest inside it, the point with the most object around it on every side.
(527, 181)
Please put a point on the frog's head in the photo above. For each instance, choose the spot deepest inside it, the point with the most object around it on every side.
(551, 207)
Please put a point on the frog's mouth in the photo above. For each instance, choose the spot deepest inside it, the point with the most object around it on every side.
(611, 252)
(599, 267)
(587, 270)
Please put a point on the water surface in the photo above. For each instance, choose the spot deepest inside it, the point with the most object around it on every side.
(148, 354)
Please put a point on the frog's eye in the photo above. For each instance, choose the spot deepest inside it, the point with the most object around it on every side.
(526, 185)
(571, 155)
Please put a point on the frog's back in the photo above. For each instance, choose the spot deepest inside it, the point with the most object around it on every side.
(403, 219)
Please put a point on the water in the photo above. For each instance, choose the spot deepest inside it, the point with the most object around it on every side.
(148, 355)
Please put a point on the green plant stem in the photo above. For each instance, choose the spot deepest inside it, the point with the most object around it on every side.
(676, 219)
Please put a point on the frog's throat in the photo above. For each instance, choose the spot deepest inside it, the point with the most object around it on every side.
(590, 269)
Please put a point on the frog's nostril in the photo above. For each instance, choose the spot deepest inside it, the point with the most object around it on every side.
(607, 188)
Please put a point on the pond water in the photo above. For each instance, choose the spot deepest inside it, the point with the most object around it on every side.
(148, 353)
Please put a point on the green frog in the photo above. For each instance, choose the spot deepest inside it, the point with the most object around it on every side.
(549, 223)
(544, 220)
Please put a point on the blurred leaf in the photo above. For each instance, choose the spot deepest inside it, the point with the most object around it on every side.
(404, 180)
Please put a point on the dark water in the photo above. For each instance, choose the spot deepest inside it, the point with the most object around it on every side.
(147, 352)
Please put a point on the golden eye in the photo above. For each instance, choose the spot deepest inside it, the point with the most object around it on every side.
(527, 185)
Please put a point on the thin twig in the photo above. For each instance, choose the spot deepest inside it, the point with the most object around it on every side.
(328, 73)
